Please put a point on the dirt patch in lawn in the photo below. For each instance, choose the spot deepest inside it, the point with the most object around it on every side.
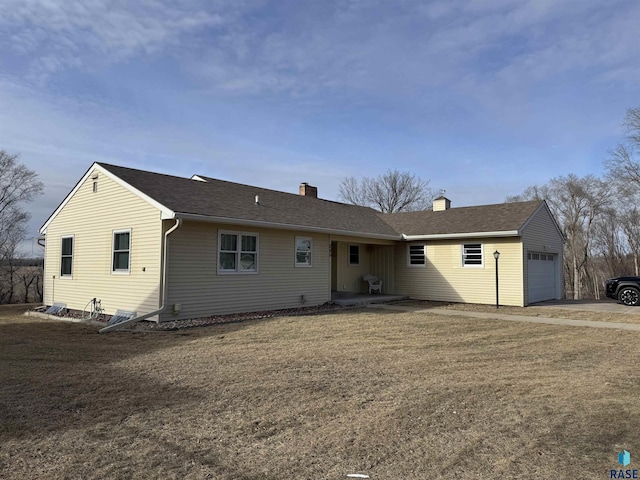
(390, 395)
(533, 311)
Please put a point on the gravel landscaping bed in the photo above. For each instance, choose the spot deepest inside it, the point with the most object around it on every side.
(234, 317)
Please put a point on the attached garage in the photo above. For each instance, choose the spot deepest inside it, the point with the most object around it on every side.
(458, 264)
(541, 276)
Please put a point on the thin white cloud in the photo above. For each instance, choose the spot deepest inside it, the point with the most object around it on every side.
(280, 74)
(71, 33)
(300, 49)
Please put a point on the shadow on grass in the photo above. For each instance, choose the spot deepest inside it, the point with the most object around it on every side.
(57, 375)
(61, 376)
(62, 380)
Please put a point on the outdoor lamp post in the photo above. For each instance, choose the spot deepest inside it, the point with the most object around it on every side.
(496, 255)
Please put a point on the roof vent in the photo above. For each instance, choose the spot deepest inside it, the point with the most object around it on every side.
(441, 203)
(307, 190)
(257, 200)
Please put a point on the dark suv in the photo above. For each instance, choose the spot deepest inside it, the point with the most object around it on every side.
(624, 289)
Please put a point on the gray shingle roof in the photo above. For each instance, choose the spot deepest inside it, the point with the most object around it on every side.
(234, 201)
(222, 199)
(501, 217)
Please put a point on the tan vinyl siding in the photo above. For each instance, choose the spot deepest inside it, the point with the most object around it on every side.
(195, 284)
(91, 218)
(376, 259)
(445, 279)
(383, 266)
(541, 235)
(349, 277)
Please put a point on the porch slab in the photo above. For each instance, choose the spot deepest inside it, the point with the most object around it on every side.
(348, 298)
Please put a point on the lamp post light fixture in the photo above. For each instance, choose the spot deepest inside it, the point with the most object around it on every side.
(496, 255)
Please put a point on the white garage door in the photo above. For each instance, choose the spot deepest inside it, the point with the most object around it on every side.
(542, 276)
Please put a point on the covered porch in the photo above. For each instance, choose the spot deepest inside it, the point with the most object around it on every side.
(352, 258)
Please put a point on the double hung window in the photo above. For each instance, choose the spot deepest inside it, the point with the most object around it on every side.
(237, 252)
(303, 251)
(66, 258)
(121, 262)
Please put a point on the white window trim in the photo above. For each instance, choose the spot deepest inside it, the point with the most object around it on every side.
(113, 251)
(424, 252)
(295, 256)
(73, 248)
(237, 270)
(349, 254)
(481, 255)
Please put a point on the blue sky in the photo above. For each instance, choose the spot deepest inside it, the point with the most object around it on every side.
(482, 98)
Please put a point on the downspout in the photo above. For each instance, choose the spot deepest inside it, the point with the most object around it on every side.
(163, 305)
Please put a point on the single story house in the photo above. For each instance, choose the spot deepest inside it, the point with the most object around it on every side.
(180, 248)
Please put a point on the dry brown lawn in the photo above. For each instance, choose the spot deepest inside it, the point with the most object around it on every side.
(390, 395)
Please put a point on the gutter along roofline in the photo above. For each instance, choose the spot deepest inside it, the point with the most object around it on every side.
(445, 236)
(306, 228)
(281, 226)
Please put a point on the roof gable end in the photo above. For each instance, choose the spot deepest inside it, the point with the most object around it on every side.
(544, 206)
(166, 213)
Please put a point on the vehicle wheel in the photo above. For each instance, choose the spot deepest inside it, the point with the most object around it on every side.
(629, 296)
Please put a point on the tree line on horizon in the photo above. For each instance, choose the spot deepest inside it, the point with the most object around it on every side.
(599, 216)
(20, 278)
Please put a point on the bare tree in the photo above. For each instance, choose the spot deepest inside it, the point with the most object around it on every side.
(352, 191)
(609, 243)
(632, 125)
(600, 217)
(18, 184)
(623, 170)
(393, 191)
(9, 268)
(623, 166)
(576, 203)
(629, 222)
(533, 192)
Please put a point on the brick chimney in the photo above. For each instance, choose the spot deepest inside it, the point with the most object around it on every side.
(308, 191)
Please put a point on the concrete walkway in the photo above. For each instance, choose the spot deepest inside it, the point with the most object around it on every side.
(348, 298)
(608, 306)
(511, 318)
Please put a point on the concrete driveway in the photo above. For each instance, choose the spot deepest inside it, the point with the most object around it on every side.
(610, 306)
